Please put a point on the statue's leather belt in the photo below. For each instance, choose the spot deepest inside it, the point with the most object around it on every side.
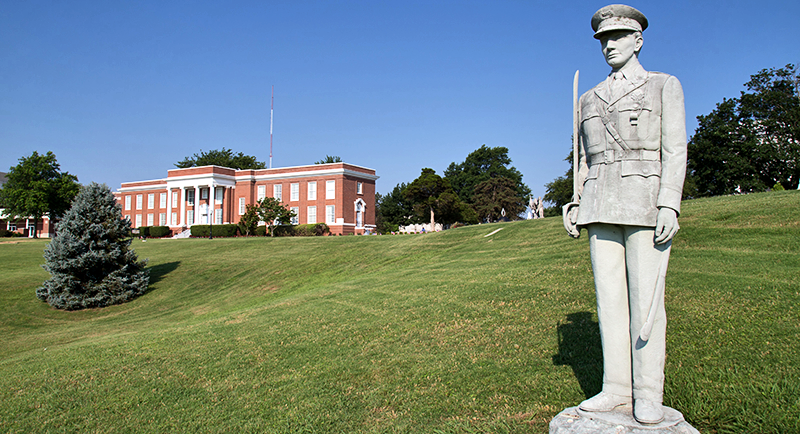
(613, 155)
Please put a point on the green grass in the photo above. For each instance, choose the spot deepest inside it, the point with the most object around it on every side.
(451, 332)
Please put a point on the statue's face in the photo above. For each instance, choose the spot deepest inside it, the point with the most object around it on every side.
(620, 46)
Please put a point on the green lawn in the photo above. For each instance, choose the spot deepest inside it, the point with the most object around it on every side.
(451, 332)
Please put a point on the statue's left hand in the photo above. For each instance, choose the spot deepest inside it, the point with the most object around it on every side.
(666, 225)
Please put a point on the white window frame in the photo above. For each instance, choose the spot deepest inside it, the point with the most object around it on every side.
(330, 214)
(359, 187)
(150, 219)
(174, 198)
(312, 190)
(127, 203)
(330, 189)
(190, 217)
(294, 191)
(296, 218)
(242, 207)
(277, 192)
(262, 192)
(151, 200)
(174, 219)
(311, 215)
(218, 216)
(203, 193)
(138, 201)
(218, 192)
(138, 223)
(162, 200)
(162, 219)
(190, 197)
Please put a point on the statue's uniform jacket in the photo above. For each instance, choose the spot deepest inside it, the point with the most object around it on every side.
(627, 186)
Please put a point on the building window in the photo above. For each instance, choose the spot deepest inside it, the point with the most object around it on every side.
(138, 201)
(330, 189)
(218, 195)
(218, 216)
(174, 219)
(312, 190)
(203, 193)
(127, 203)
(174, 198)
(296, 218)
(360, 188)
(150, 219)
(277, 192)
(190, 217)
(151, 201)
(294, 192)
(312, 215)
(162, 218)
(190, 197)
(241, 206)
(162, 200)
(330, 214)
(138, 221)
(262, 192)
(12, 227)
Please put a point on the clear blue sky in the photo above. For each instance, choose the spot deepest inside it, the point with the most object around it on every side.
(121, 90)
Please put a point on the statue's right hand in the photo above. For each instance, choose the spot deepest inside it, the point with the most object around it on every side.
(570, 215)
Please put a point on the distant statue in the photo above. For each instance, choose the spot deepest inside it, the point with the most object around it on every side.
(632, 162)
(537, 207)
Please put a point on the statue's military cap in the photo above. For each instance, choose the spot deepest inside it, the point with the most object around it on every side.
(617, 17)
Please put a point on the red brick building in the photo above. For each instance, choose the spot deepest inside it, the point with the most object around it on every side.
(339, 194)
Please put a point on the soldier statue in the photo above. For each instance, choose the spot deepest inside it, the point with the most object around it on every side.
(632, 162)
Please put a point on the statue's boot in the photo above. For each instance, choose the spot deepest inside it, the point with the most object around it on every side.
(604, 401)
(648, 412)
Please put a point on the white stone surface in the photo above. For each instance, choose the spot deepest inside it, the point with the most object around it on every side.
(620, 421)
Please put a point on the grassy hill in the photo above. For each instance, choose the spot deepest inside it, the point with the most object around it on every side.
(454, 332)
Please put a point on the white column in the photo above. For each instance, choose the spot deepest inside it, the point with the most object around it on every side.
(196, 210)
(183, 206)
(169, 207)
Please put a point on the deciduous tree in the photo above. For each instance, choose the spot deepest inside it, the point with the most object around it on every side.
(222, 158)
(752, 142)
(393, 210)
(329, 159)
(432, 195)
(36, 187)
(272, 212)
(495, 195)
(480, 165)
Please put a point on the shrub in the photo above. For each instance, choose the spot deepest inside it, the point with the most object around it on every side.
(144, 231)
(261, 231)
(159, 231)
(311, 230)
(89, 259)
(4, 232)
(202, 231)
(778, 187)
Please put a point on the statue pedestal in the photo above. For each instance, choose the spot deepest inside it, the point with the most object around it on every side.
(620, 421)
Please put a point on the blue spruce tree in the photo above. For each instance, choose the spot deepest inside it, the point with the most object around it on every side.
(90, 259)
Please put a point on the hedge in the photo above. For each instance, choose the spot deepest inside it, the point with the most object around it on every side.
(201, 231)
(308, 230)
(159, 231)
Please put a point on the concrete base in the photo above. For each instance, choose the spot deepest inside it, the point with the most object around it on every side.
(620, 421)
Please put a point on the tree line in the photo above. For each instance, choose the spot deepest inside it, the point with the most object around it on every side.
(482, 188)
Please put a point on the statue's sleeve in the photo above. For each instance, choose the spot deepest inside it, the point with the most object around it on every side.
(673, 145)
